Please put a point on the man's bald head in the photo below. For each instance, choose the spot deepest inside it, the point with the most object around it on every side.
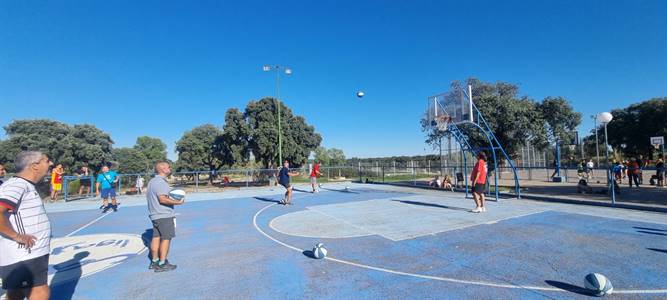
(162, 168)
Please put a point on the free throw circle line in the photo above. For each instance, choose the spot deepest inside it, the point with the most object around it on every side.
(438, 278)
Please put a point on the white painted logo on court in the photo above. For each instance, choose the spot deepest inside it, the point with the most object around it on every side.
(76, 257)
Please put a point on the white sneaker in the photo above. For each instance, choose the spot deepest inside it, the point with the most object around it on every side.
(484, 209)
(476, 210)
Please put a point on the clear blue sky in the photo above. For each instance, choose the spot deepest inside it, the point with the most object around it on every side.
(159, 68)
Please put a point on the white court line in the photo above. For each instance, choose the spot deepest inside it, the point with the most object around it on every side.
(438, 278)
(89, 223)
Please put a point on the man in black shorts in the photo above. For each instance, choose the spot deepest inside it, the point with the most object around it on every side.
(284, 180)
(163, 217)
(25, 230)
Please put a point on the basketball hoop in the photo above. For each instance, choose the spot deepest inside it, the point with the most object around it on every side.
(442, 122)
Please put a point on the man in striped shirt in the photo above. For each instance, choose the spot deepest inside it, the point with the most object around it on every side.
(25, 230)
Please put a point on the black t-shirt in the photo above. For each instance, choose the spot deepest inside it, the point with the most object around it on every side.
(283, 176)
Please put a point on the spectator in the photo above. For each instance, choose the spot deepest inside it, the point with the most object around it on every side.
(617, 169)
(580, 169)
(660, 172)
(447, 183)
(633, 172)
(84, 180)
(589, 168)
(642, 164)
(56, 181)
(583, 187)
(139, 184)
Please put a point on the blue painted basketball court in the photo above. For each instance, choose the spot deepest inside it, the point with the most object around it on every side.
(383, 242)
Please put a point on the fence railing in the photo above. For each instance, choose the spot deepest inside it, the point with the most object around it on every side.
(78, 187)
(203, 180)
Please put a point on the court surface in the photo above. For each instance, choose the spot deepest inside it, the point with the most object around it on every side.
(384, 242)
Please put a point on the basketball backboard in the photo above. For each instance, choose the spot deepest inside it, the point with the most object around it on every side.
(453, 107)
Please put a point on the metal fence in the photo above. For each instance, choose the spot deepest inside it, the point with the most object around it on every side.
(196, 181)
(402, 174)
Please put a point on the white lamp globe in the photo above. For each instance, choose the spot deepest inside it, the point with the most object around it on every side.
(605, 117)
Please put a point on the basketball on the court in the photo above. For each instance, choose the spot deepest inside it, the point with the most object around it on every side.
(598, 284)
(319, 251)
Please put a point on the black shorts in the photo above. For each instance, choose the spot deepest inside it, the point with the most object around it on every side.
(25, 274)
(479, 188)
(164, 228)
(285, 184)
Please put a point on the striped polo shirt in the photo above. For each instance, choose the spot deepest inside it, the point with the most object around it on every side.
(26, 215)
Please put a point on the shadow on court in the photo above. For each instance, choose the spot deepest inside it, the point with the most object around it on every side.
(569, 287)
(340, 191)
(647, 228)
(432, 205)
(267, 200)
(67, 277)
(658, 250)
(651, 232)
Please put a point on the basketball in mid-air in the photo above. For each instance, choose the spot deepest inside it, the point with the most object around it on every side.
(360, 94)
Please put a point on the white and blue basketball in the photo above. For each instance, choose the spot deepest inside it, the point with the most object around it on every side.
(598, 284)
(177, 194)
(319, 251)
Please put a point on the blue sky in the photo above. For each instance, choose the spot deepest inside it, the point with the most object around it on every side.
(160, 68)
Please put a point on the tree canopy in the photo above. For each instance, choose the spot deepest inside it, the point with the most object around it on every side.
(299, 138)
(634, 125)
(513, 119)
(198, 149)
(73, 146)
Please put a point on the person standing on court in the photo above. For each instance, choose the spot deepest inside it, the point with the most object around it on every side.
(25, 230)
(162, 215)
(284, 180)
(105, 181)
(56, 182)
(478, 178)
(313, 175)
(139, 184)
(84, 183)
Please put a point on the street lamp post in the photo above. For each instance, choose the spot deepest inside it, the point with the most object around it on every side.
(288, 71)
(597, 146)
(605, 118)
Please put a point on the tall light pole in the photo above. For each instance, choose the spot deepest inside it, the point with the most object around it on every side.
(605, 118)
(288, 71)
(597, 146)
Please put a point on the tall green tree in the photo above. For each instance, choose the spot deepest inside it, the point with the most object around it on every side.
(131, 160)
(634, 125)
(73, 146)
(198, 149)
(336, 156)
(560, 119)
(153, 149)
(234, 143)
(299, 138)
(322, 156)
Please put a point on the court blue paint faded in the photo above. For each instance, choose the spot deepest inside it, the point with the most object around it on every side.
(221, 255)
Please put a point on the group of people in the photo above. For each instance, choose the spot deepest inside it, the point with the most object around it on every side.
(25, 229)
(634, 168)
(442, 182)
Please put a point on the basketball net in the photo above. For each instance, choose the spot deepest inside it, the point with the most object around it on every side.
(442, 122)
